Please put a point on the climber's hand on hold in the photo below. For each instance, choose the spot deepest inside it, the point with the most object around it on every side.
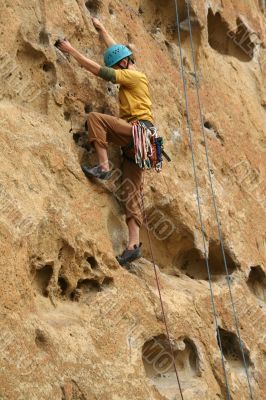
(97, 24)
(109, 41)
(65, 46)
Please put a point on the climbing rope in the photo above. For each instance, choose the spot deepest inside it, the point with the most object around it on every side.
(214, 200)
(159, 292)
(228, 395)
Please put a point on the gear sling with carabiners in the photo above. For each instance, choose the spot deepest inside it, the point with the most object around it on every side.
(148, 147)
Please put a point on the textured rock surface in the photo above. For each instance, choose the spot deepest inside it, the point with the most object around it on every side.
(74, 325)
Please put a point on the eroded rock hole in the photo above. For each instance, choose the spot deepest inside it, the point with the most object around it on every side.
(44, 38)
(93, 5)
(90, 285)
(232, 351)
(63, 284)
(47, 67)
(111, 9)
(42, 279)
(257, 282)
(41, 339)
(50, 72)
(159, 365)
(81, 140)
(227, 42)
(192, 262)
(67, 116)
(208, 125)
(88, 108)
(92, 261)
(86, 290)
(216, 260)
(218, 32)
(107, 282)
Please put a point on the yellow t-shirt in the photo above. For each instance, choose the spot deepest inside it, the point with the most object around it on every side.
(134, 97)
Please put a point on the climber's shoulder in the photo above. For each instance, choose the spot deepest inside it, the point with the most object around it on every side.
(129, 76)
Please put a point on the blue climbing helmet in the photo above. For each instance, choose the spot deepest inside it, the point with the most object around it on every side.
(115, 54)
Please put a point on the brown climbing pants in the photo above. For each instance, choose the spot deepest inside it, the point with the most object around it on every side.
(106, 128)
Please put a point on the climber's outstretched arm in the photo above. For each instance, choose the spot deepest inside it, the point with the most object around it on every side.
(85, 62)
(108, 40)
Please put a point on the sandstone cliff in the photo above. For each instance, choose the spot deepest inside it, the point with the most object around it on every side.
(74, 324)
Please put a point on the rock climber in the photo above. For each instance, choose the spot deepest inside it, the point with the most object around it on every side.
(135, 105)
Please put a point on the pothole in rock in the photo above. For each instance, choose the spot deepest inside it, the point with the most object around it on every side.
(176, 253)
(227, 42)
(50, 72)
(88, 108)
(63, 285)
(47, 66)
(160, 367)
(89, 287)
(81, 140)
(93, 5)
(66, 252)
(216, 260)
(192, 262)
(108, 283)
(86, 290)
(44, 38)
(212, 131)
(257, 282)
(232, 351)
(42, 279)
(111, 9)
(41, 339)
(92, 262)
(67, 116)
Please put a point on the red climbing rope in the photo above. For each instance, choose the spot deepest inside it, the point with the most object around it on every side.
(159, 292)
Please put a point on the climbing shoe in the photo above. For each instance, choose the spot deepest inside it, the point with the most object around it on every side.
(96, 172)
(129, 255)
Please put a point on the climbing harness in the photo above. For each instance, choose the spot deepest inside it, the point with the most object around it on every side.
(148, 147)
(228, 394)
(215, 203)
(160, 294)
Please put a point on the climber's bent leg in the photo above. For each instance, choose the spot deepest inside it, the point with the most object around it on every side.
(103, 129)
(106, 128)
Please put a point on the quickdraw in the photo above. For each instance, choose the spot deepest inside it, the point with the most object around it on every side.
(148, 147)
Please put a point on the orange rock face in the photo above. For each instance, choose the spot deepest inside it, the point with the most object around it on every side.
(74, 324)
